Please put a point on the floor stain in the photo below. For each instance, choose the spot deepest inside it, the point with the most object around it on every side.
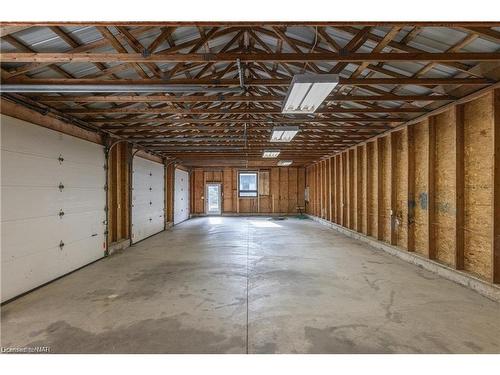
(391, 315)
(341, 340)
(164, 335)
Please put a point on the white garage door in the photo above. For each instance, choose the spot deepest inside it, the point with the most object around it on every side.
(148, 198)
(181, 196)
(53, 201)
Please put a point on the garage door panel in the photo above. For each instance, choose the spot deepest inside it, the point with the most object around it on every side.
(19, 202)
(141, 211)
(22, 202)
(181, 196)
(22, 137)
(80, 175)
(32, 228)
(148, 202)
(81, 152)
(82, 200)
(46, 265)
(49, 232)
(15, 242)
(41, 268)
(14, 163)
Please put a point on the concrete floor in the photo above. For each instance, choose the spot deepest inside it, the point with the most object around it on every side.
(238, 285)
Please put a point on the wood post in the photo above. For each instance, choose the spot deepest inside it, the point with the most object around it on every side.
(431, 243)
(411, 188)
(496, 188)
(460, 188)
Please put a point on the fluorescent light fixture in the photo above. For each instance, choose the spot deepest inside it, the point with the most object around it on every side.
(308, 91)
(284, 133)
(284, 163)
(270, 154)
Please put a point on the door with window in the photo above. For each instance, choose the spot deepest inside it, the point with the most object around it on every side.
(214, 199)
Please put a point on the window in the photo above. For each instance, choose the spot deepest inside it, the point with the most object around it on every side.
(247, 184)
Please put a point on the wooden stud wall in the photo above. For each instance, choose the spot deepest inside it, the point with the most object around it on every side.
(286, 190)
(118, 193)
(169, 193)
(432, 187)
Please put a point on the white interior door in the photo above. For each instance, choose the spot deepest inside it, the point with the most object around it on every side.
(148, 198)
(214, 199)
(53, 205)
(181, 196)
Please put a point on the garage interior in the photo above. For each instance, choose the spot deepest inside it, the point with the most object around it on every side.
(250, 187)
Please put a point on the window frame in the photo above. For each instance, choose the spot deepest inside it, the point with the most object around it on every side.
(256, 191)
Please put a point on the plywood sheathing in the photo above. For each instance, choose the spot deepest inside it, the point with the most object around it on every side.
(421, 149)
(372, 183)
(283, 193)
(400, 188)
(478, 187)
(432, 187)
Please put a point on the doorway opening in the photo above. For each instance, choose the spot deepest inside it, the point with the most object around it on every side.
(214, 199)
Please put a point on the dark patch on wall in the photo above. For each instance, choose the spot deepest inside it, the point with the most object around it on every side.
(446, 208)
(423, 201)
(411, 211)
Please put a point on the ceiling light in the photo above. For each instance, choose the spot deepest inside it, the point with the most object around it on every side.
(284, 133)
(284, 163)
(308, 91)
(270, 153)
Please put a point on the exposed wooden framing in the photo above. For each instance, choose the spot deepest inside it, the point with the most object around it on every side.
(392, 187)
(379, 144)
(350, 188)
(459, 186)
(322, 189)
(165, 122)
(496, 189)
(233, 98)
(343, 24)
(431, 243)
(344, 176)
(118, 193)
(253, 81)
(467, 127)
(329, 189)
(411, 188)
(23, 57)
(157, 124)
(359, 188)
(368, 188)
(174, 111)
(338, 187)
